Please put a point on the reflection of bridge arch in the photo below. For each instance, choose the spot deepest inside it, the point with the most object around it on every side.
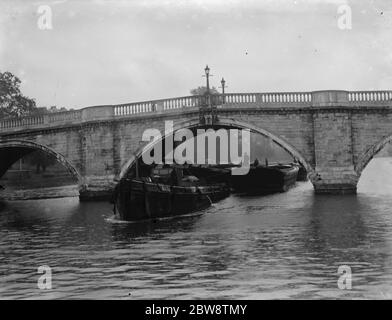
(365, 158)
(12, 150)
(223, 122)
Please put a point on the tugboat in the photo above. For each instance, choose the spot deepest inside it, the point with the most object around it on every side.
(166, 192)
(265, 179)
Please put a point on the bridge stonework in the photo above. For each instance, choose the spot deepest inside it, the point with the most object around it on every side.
(334, 134)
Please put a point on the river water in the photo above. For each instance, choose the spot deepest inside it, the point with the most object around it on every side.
(279, 246)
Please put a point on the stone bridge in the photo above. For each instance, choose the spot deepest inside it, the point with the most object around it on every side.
(334, 134)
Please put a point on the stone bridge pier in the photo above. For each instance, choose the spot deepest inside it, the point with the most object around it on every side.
(334, 170)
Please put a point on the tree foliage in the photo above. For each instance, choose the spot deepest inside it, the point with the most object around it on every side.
(12, 102)
(199, 91)
(40, 159)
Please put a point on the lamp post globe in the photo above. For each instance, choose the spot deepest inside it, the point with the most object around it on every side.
(207, 70)
(223, 82)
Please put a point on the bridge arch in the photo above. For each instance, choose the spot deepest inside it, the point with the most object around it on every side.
(24, 147)
(365, 158)
(226, 122)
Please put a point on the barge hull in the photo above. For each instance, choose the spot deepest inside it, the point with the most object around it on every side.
(265, 180)
(139, 200)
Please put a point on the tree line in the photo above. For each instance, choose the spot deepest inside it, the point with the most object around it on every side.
(14, 104)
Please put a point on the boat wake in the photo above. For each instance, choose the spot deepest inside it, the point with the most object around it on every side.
(116, 220)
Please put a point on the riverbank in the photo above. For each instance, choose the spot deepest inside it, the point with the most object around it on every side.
(39, 193)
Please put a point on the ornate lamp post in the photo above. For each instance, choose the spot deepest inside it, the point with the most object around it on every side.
(207, 72)
(223, 82)
(223, 85)
(207, 93)
(207, 110)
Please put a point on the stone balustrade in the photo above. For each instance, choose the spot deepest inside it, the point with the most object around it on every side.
(370, 96)
(64, 116)
(273, 99)
(21, 122)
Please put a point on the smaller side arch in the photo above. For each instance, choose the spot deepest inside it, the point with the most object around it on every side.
(364, 160)
(35, 146)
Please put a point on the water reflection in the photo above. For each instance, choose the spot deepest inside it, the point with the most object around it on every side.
(157, 229)
(336, 223)
(279, 246)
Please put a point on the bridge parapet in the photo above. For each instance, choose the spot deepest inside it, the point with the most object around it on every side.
(58, 118)
(330, 98)
(267, 98)
(22, 122)
(65, 116)
(156, 105)
(327, 98)
(286, 97)
(351, 98)
(370, 96)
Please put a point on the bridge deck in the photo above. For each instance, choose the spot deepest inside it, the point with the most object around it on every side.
(331, 98)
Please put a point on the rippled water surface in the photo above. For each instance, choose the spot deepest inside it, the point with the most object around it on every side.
(280, 246)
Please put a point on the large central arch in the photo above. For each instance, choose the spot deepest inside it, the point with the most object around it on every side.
(23, 147)
(224, 122)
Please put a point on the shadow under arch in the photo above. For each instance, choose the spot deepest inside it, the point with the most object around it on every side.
(364, 160)
(223, 122)
(23, 147)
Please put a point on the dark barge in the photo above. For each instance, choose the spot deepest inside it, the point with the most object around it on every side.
(166, 192)
(265, 179)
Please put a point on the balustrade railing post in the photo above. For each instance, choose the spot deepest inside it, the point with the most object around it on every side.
(46, 119)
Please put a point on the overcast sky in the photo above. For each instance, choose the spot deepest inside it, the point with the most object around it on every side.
(116, 51)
